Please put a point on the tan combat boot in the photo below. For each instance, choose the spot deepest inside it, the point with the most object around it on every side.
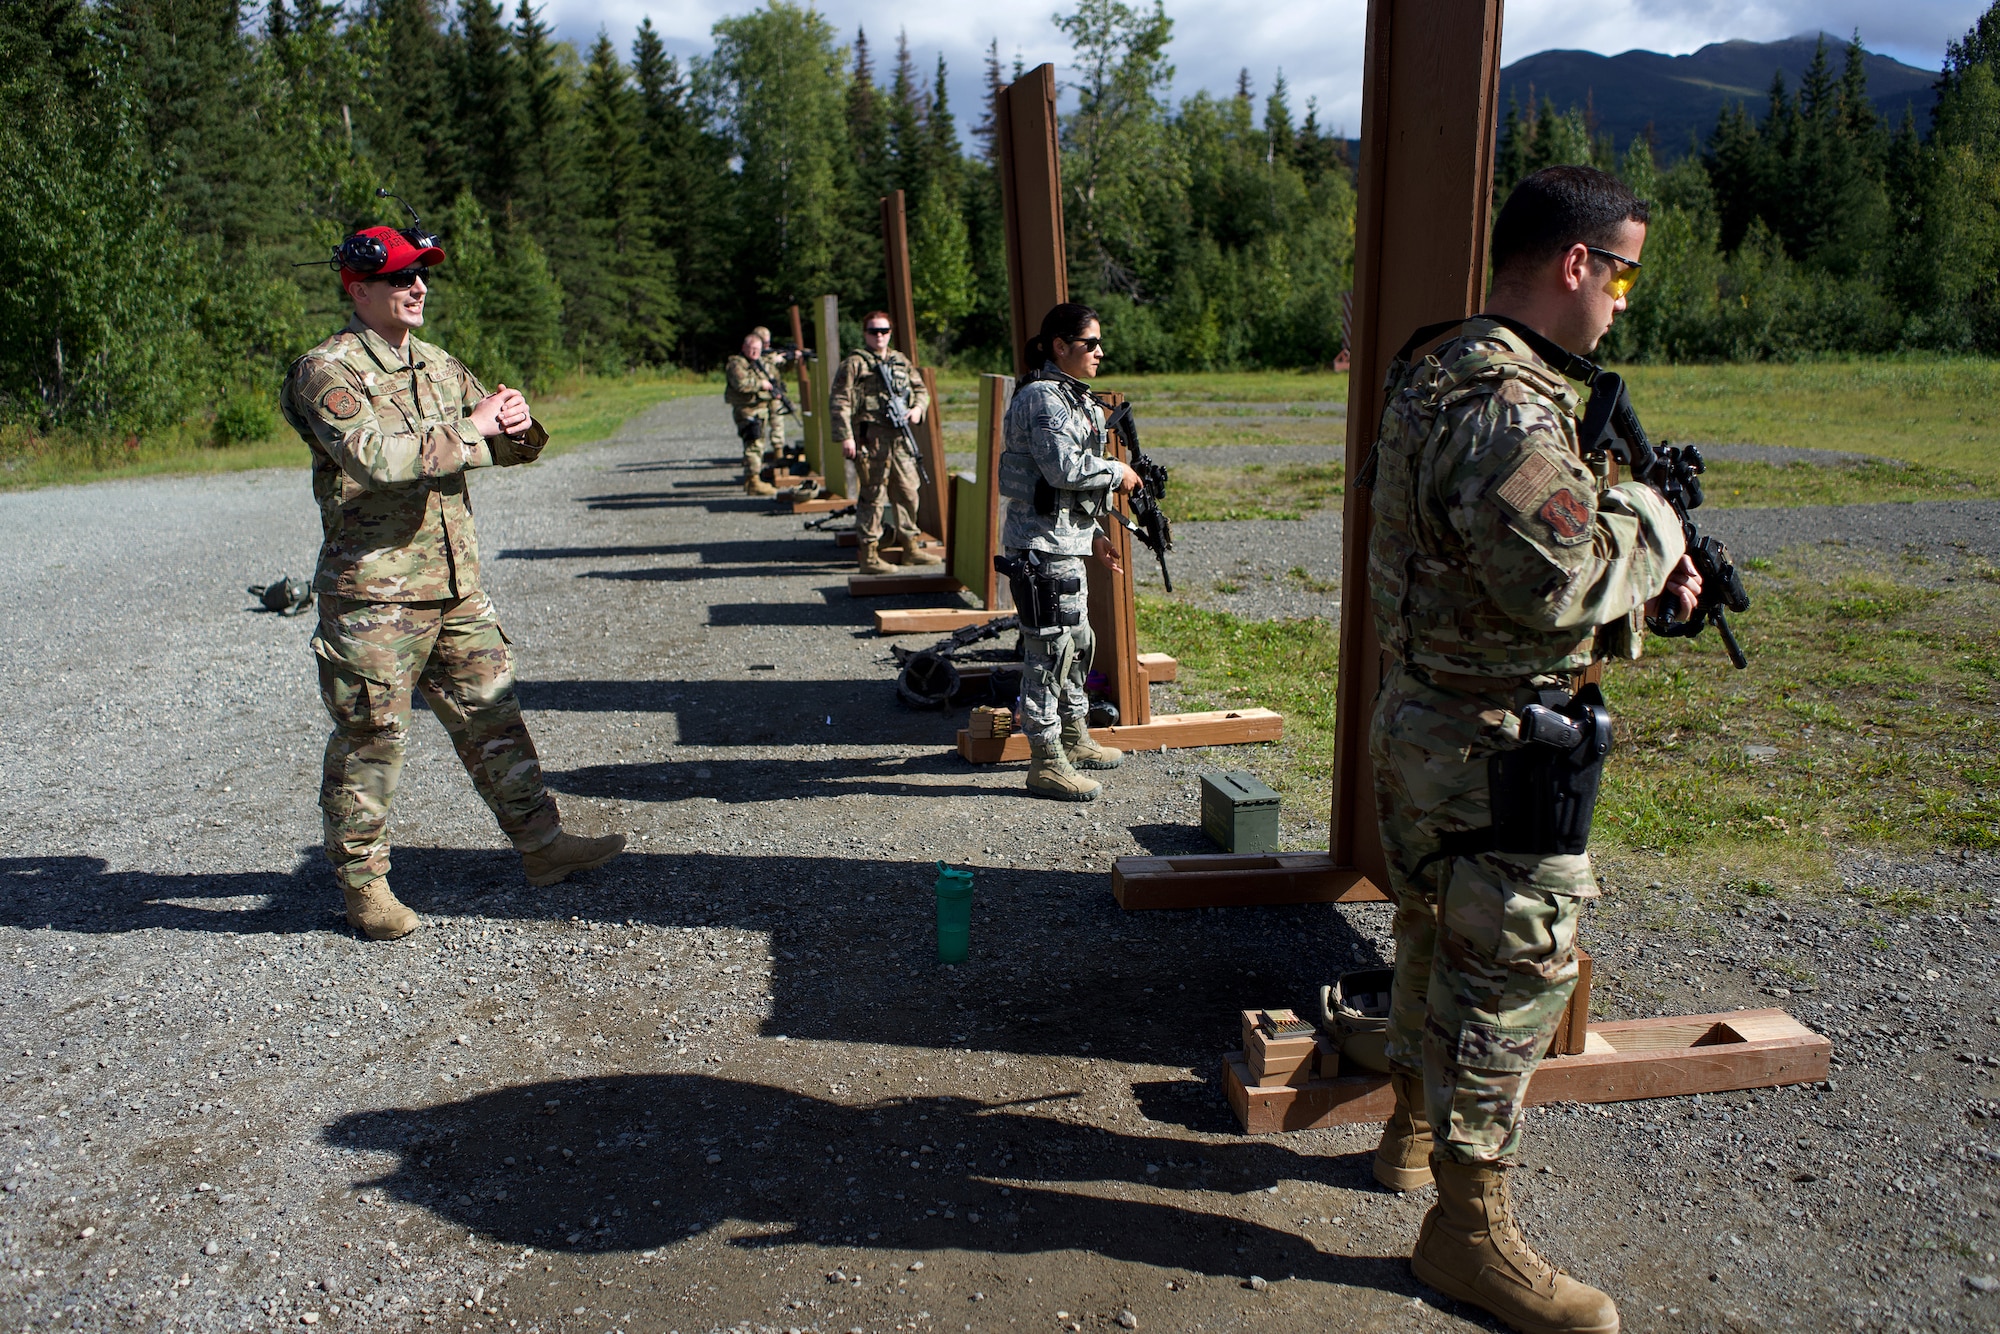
(1471, 1250)
(1082, 748)
(378, 914)
(568, 855)
(914, 553)
(1049, 775)
(1403, 1158)
(872, 563)
(753, 485)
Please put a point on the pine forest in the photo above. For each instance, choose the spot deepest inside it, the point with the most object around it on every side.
(174, 168)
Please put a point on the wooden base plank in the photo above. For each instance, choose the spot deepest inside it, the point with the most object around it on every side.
(1237, 880)
(847, 537)
(932, 620)
(1635, 1058)
(820, 504)
(882, 585)
(1158, 667)
(1223, 727)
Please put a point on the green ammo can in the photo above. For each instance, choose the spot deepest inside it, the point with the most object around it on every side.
(1239, 812)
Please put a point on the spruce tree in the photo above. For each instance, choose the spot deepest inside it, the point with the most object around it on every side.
(407, 127)
(542, 174)
(620, 298)
(486, 89)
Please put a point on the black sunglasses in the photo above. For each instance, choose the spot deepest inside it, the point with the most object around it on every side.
(403, 278)
(1087, 344)
(876, 329)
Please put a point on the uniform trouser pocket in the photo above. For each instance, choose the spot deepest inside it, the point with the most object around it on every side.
(371, 656)
(1503, 971)
(1056, 662)
(368, 654)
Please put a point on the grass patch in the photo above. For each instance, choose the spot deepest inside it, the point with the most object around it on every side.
(1253, 491)
(1939, 411)
(1735, 483)
(1290, 666)
(1870, 716)
(1869, 686)
(578, 411)
(1155, 432)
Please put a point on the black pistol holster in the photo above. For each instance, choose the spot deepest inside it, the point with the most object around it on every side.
(1038, 593)
(1544, 792)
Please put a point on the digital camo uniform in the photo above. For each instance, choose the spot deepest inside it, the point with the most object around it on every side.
(400, 603)
(1054, 431)
(760, 419)
(860, 413)
(1495, 556)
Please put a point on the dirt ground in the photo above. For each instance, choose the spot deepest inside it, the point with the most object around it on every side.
(723, 1083)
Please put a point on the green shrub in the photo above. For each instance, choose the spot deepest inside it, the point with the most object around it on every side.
(244, 416)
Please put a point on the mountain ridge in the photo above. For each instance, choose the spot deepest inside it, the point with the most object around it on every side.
(1675, 97)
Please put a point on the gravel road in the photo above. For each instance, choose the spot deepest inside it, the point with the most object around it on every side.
(722, 1083)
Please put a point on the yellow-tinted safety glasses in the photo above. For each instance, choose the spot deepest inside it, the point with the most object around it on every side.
(1621, 281)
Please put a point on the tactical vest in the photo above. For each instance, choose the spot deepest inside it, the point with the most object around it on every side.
(1431, 609)
(880, 378)
(1020, 477)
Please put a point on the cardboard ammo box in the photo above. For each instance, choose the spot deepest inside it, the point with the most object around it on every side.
(1239, 812)
(1277, 1061)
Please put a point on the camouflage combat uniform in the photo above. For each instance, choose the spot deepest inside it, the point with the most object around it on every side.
(881, 460)
(400, 606)
(1496, 555)
(760, 418)
(1054, 431)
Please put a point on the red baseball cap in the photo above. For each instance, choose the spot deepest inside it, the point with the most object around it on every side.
(401, 255)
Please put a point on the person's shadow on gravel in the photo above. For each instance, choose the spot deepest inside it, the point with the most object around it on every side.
(636, 1162)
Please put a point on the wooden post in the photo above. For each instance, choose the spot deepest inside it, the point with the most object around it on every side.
(975, 509)
(1427, 125)
(932, 500)
(1114, 616)
(805, 372)
(824, 455)
(1031, 203)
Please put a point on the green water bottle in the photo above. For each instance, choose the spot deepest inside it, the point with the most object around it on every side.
(954, 913)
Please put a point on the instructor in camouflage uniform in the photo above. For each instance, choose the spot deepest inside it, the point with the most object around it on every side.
(752, 395)
(862, 387)
(1058, 484)
(1501, 564)
(395, 424)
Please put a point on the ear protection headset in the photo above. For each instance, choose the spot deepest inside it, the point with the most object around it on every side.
(364, 254)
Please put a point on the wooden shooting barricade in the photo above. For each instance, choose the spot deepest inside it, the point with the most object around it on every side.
(1430, 91)
(823, 461)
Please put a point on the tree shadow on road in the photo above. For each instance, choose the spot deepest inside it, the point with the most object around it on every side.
(637, 1162)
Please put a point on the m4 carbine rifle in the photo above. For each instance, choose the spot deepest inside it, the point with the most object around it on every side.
(1151, 528)
(1610, 426)
(823, 520)
(897, 405)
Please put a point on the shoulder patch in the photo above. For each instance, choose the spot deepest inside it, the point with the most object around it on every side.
(1566, 514)
(1528, 483)
(339, 403)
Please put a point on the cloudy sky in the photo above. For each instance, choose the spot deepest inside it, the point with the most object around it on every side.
(1317, 43)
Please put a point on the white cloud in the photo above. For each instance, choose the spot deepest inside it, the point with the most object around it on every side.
(1319, 45)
